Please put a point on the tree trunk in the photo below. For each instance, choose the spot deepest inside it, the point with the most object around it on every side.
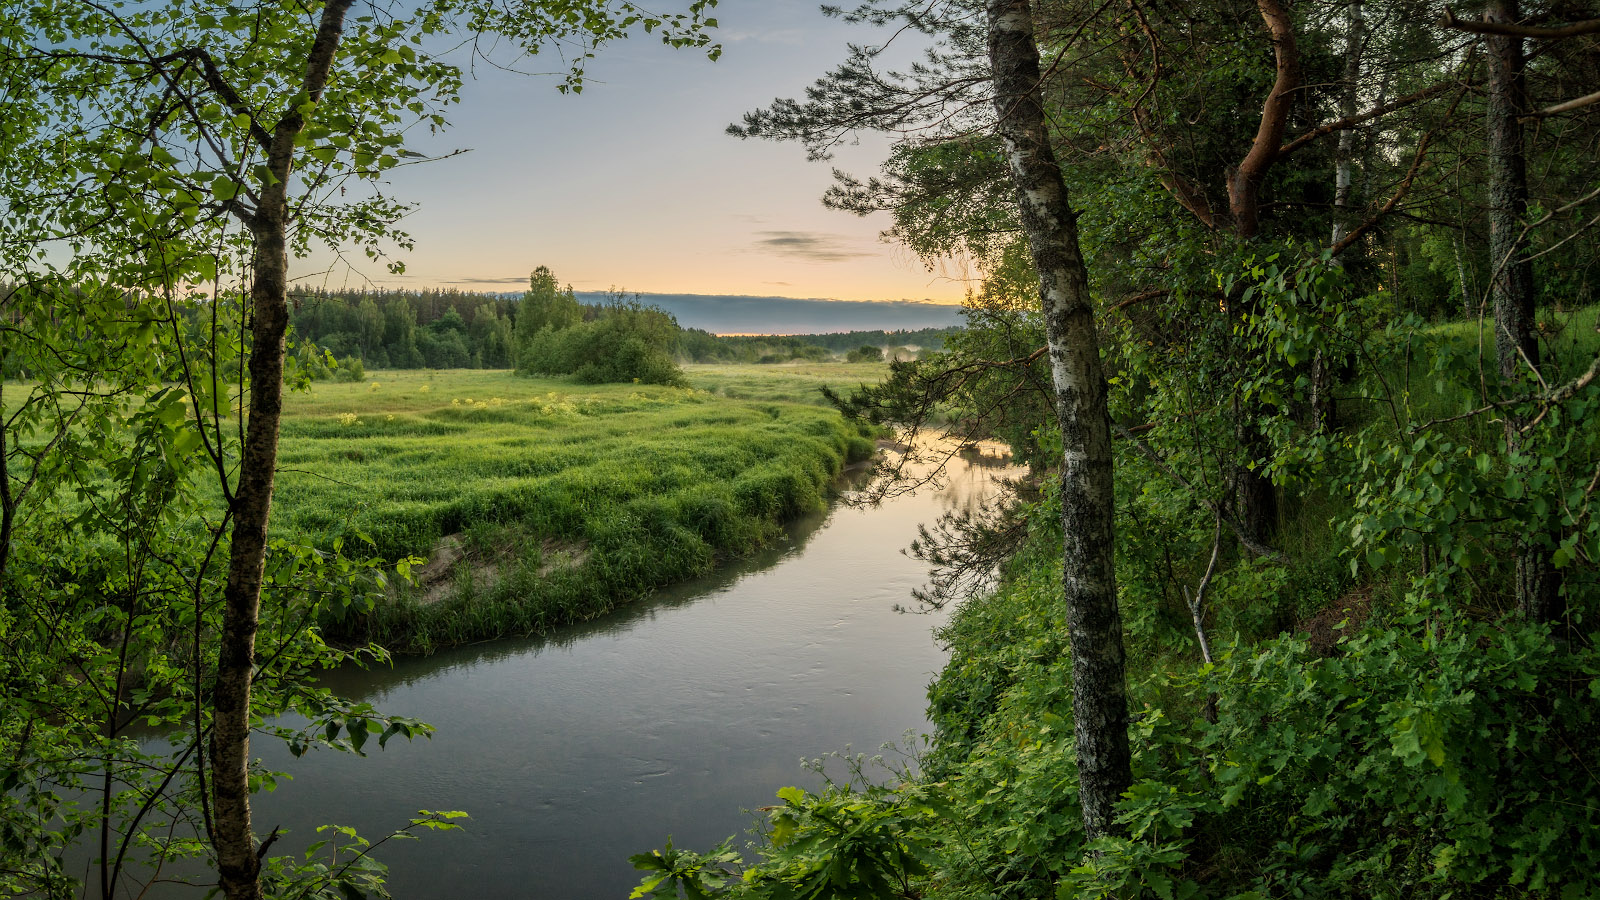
(1344, 158)
(1255, 497)
(1094, 625)
(1516, 347)
(1323, 409)
(238, 863)
(1253, 492)
(1244, 185)
(1508, 199)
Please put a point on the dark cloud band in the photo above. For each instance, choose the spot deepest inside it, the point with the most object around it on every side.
(742, 314)
(814, 246)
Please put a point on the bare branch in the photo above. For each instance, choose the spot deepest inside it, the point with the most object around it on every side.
(1361, 118)
(1589, 26)
(1569, 106)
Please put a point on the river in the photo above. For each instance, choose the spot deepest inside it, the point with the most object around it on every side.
(669, 718)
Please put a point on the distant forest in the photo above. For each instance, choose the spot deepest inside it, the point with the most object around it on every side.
(453, 329)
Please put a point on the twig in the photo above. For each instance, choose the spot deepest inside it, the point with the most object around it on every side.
(1197, 610)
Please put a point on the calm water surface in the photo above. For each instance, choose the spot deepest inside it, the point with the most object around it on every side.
(668, 718)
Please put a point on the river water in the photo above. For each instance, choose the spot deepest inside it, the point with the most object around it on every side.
(669, 718)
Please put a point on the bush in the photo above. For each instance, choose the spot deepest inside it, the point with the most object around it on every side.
(626, 342)
(350, 369)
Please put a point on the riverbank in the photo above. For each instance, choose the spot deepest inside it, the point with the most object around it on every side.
(670, 716)
(534, 503)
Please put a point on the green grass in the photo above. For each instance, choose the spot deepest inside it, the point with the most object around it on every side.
(571, 499)
(1568, 342)
(786, 382)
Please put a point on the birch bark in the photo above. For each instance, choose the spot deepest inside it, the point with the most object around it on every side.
(1094, 624)
(238, 863)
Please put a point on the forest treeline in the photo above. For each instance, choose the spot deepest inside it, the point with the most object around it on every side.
(454, 329)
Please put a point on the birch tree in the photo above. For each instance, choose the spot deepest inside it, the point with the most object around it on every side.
(1088, 513)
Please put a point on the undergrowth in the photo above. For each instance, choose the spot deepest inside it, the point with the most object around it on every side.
(1378, 720)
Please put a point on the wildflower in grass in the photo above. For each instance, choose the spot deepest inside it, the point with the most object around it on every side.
(455, 401)
(348, 419)
(425, 388)
(389, 418)
(373, 387)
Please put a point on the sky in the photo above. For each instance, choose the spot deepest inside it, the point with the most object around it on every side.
(634, 185)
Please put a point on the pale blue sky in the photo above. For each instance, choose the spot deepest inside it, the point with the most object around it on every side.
(634, 184)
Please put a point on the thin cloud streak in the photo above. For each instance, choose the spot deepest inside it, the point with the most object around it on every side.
(809, 245)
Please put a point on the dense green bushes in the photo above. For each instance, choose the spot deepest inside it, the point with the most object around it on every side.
(1378, 721)
(625, 342)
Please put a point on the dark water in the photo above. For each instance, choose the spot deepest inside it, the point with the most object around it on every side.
(668, 718)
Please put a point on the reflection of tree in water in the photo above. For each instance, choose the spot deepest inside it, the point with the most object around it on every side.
(987, 455)
(979, 528)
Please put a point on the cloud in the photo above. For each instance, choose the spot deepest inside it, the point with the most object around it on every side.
(509, 279)
(813, 246)
(793, 37)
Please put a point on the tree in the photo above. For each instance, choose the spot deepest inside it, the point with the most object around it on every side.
(370, 323)
(157, 148)
(1088, 502)
(491, 334)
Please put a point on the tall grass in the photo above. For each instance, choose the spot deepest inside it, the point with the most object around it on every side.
(784, 382)
(572, 499)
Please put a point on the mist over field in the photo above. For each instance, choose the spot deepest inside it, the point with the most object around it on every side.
(739, 314)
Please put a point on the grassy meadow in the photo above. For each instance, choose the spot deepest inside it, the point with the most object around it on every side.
(543, 502)
(784, 382)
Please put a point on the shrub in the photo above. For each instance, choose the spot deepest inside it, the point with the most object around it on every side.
(350, 369)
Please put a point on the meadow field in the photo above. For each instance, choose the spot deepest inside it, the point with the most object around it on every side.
(786, 382)
(539, 502)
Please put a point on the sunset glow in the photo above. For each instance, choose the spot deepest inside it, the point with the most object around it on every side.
(633, 183)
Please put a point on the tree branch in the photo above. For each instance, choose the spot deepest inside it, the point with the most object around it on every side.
(1360, 118)
(1405, 183)
(1245, 184)
(1510, 29)
(1249, 543)
(1569, 106)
